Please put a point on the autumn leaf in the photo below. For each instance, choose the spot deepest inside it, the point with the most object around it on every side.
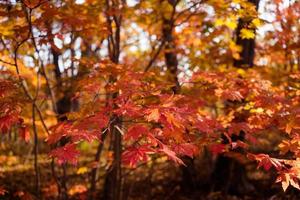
(57, 132)
(67, 153)
(247, 34)
(133, 155)
(265, 161)
(171, 154)
(288, 178)
(82, 170)
(135, 132)
(256, 22)
(187, 149)
(153, 115)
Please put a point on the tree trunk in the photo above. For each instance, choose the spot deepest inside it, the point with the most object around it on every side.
(229, 176)
(248, 45)
(170, 56)
(113, 179)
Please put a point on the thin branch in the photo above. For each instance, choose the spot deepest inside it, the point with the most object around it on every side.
(5, 62)
(160, 47)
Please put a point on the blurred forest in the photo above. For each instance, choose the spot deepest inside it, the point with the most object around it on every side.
(149, 99)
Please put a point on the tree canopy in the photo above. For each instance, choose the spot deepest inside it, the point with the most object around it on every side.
(106, 87)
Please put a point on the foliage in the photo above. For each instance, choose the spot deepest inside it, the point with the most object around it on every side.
(85, 72)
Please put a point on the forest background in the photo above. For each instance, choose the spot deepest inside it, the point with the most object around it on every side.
(149, 99)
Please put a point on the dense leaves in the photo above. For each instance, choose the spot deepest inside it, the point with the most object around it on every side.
(151, 80)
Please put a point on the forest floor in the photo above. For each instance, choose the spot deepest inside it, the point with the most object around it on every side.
(159, 180)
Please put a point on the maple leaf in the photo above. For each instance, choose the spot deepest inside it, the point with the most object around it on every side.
(265, 161)
(87, 129)
(133, 155)
(256, 22)
(128, 108)
(171, 154)
(247, 34)
(153, 115)
(58, 131)
(136, 131)
(207, 125)
(288, 178)
(187, 149)
(97, 121)
(172, 119)
(67, 153)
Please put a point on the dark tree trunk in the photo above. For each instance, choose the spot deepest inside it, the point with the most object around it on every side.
(248, 45)
(229, 176)
(113, 179)
(170, 55)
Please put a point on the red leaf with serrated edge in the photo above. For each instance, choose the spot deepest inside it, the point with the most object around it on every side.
(265, 161)
(58, 131)
(133, 155)
(207, 125)
(171, 154)
(87, 129)
(128, 109)
(186, 149)
(67, 153)
(135, 132)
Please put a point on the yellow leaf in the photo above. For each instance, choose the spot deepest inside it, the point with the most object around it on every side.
(82, 170)
(249, 106)
(241, 72)
(219, 22)
(232, 24)
(154, 115)
(256, 22)
(235, 49)
(247, 34)
(284, 147)
(257, 110)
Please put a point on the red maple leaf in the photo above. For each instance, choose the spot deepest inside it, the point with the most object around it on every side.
(133, 155)
(187, 149)
(67, 153)
(171, 154)
(136, 131)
